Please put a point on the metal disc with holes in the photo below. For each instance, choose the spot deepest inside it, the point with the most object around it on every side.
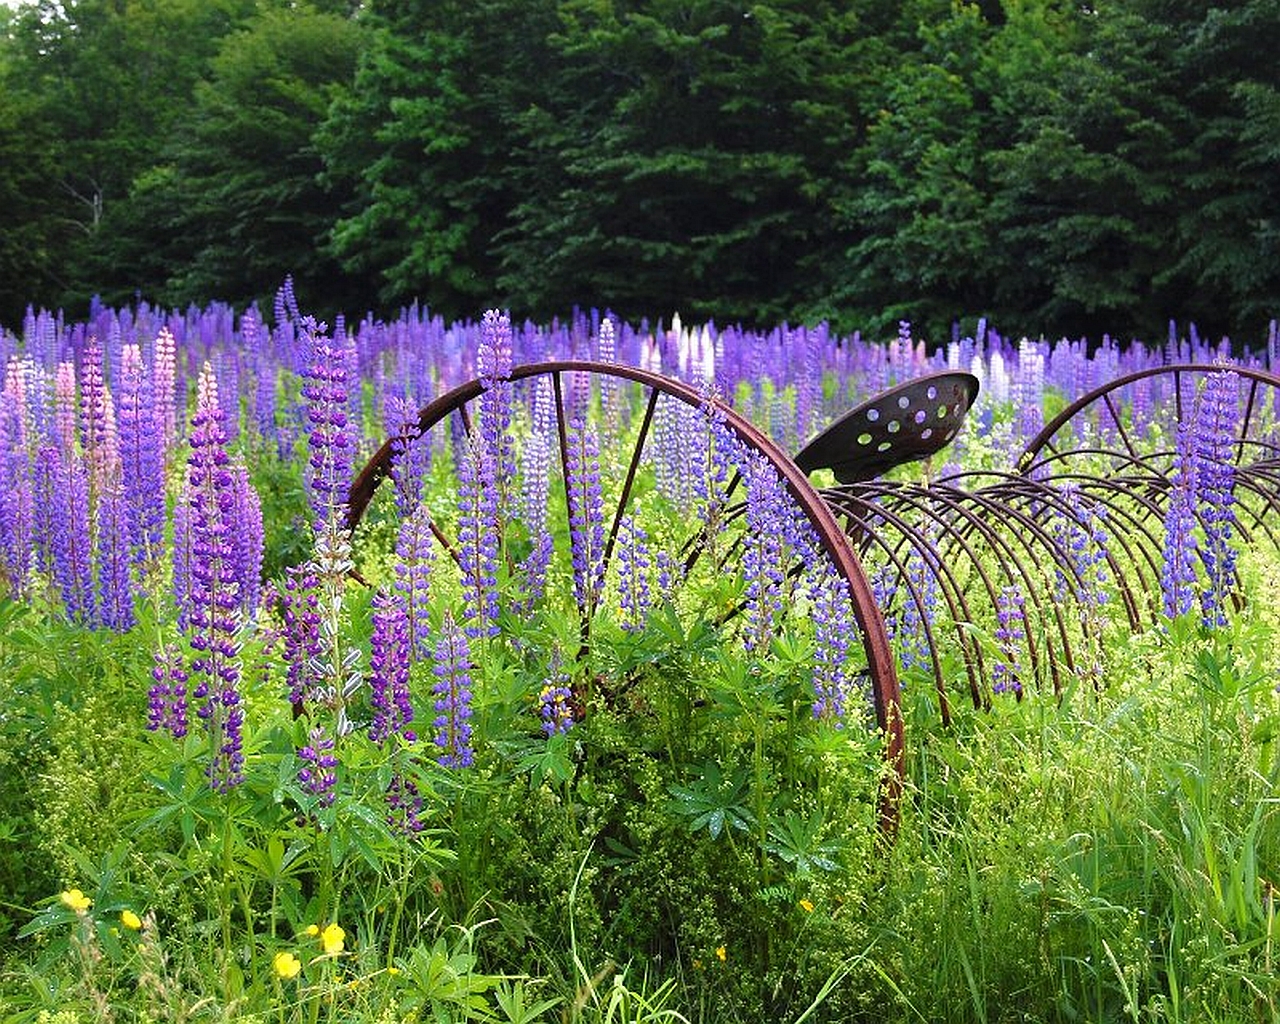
(903, 424)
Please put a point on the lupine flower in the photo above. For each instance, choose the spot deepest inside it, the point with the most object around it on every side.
(329, 468)
(1083, 530)
(167, 700)
(478, 544)
(415, 552)
(115, 594)
(17, 509)
(554, 707)
(389, 671)
(303, 644)
(247, 540)
(1010, 632)
(412, 457)
(493, 366)
(214, 596)
(1213, 451)
(1177, 571)
(912, 635)
(141, 456)
(72, 545)
(404, 806)
(65, 411)
(536, 466)
(764, 551)
(164, 375)
(634, 565)
(586, 515)
(834, 631)
(318, 775)
(453, 697)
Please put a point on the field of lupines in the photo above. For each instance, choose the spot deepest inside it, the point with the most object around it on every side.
(576, 725)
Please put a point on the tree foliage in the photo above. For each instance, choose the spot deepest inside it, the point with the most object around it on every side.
(1052, 165)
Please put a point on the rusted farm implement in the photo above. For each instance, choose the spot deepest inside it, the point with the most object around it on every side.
(934, 570)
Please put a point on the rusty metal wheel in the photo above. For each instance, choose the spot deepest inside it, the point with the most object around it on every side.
(658, 442)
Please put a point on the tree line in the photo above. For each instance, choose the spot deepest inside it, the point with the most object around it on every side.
(1058, 167)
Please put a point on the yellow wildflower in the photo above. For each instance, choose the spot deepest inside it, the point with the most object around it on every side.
(331, 939)
(75, 900)
(312, 929)
(806, 906)
(287, 966)
(393, 971)
(130, 920)
(721, 953)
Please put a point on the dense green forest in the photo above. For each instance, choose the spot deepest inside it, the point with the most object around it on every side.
(1060, 167)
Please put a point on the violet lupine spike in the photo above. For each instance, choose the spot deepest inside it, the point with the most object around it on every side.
(834, 632)
(634, 566)
(167, 699)
(555, 707)
(318, 775)
(1177, 571)
(478, 544)
(914, 648)
(115, 555)
(1214, 451)
(452, 691)
(141, 456)
(764, 552)
(247, 540)
(1006, 676)
(93, 410)
(586, 515)
(214, 591)
(17, 506)
(536, 467)
(389, 660)
(302, 640)
(493, 365)
(72, 543)
(404, 806)
(412, 457)
(332, 447)
(415, 553)
(1083, 534)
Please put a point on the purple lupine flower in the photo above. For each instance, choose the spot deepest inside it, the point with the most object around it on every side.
(1084, 534)
(71, 543)
(167, 699)
(764, 552)
(332, 447)
(404, 806)
(1177, 571)
(214, 596)
(1213, 451)
(493, 366)
(1010, 632)
(634, 566)
(834, 631)
(247, 540)
(555, 706)
(115, 595)
(93, 415)
(586, 515)
(65, 411)
(17, 507)
(536, 467)
(141, 456)
(912, 634)
(411, 459)
(670, 574)
(478, 543)
(318, 775)
(302, 641)
(415, 552)
(389, 671)
(452, 690)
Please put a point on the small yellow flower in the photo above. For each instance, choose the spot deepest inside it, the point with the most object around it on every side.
(287, 966)
(721, 953)
(130, 920)
(332, 938)
(312, 929)
(806, 906)
(75, 900)
(393, 971)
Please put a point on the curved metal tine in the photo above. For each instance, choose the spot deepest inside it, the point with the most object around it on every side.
(864, 522)
(862, 496)
(1115, 417)
(1006, 556)
(995, 511)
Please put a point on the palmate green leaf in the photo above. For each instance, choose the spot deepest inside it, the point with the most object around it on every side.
(798, 841)
(714, 801)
